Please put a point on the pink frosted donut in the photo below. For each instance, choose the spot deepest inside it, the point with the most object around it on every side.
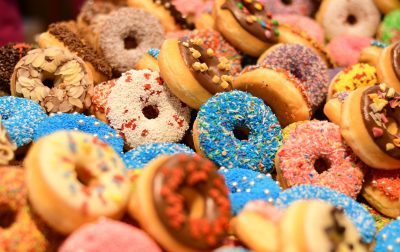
(345, 50)
(304, 23)
(301, 7)
(265, 209)
(108, 236)
(315, 153)
(191, 8)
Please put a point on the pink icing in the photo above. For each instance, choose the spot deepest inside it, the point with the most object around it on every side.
(345, 50)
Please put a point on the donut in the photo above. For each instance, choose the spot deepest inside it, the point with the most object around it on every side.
(140, 156)
(99, 99)
(193, 71)
(166, 12)
(10, 54)
(7, 147)
(230, 131)
(290, 128)
(370, 54)
(79, 122)
(246, 25)
(191, 9)
(348, 17)
(154, 114)
(189, 210)
(345, 50)
(298, 7)
(74, 178)
(369, 126)
(108, 235)
(92, 9)
(382, 191)
(359, 216)
(387, 6)
(20, 117)
(388, 66)
(333, 107)
(59, 34)
(388, 239)
(231, 249)
(246, 185)
(389, 30)
(54, 78)
(315, 153)
(149, 60)
(311, 226)
(21, 230)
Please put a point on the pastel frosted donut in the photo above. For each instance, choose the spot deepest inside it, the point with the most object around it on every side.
(389, 30)
(315, 153)
(246, 185)
(300, 7)
(388, 239)
(74, 178)
(20, 117)
(79, 122)
(108, 235)
(348, 17)
(143, 110)
(345, 50)
(226, 113)
(139, 157)
(20, 229)
(360, 216)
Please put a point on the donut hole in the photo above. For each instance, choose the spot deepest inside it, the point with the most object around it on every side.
(150, 111)
(296, 72)
(50, 80)
(194, 202)
(322, 164)
(241, 133)
(351, 19)
(7, 216)
(392, 127)
(287, 2)
(83, 175)
(130, 42)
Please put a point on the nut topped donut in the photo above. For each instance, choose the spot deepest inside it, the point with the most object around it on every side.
(55, 78)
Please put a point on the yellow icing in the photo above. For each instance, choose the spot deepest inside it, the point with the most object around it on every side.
(353, 77)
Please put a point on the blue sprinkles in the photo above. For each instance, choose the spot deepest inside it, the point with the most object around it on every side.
(379, 44)
(80, 122)
(388, 239)
(359, 215)
(138, 157)
(246, 185)
(154, 52)
(221, 114)
(21, 117)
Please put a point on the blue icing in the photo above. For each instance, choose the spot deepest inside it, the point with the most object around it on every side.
(21, 117)
(388, 239)
(221, 114)
(359, 215)
(231, 249)
(246, 185)
(138, 157)
(80, 122)
(379, 44)
(154, 52)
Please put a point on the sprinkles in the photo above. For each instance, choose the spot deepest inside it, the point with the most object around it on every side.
(388, 239)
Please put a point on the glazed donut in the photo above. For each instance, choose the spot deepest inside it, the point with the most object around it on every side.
(74, 178)
(7, 147)
(70, 81)
(60, 35)
(143, 110)
(348, 17)
(192, 71)
(381, 190)
(388, 238)
(21, 230)
(149, 60)
(86, 124)
(166, 12)
(389, 29)
(20, 117)
(360, 216)
(216, 132)
(140, 156)
(369, 126)
(299, 7)
(245, 186)
(10, 54)
(333, 107)
(191, 194)
(245, 25)
(370, 54)
(387, 6)
(388, 66)
(315, 153)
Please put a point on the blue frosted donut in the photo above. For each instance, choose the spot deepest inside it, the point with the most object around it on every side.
(388, 239)
(246, 185)
(225, 112)
(87, 124)
(21, 118)
(138, 157)
(359, 215)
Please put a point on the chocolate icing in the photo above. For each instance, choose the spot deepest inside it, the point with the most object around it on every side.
(258, 27)
(177, 15)
(396, 60)
(73, 43)
(374, 119)
(204, 78)
(181, 172)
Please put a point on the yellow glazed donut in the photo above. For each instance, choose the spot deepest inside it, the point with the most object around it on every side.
(74, 178)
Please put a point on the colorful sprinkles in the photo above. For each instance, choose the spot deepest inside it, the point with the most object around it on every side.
(388, 239)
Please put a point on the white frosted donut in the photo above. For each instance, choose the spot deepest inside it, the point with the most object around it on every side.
(144, 111)
(349, 17)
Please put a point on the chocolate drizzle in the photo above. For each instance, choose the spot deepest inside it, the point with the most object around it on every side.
(396, 60)
(177, 15)
(252, 17)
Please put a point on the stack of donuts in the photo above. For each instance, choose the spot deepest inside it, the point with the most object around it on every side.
(204, 125)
